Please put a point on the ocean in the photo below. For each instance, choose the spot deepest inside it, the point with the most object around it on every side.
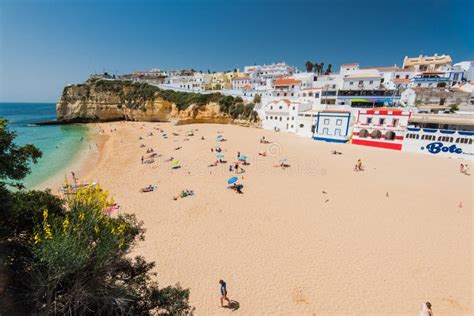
(60, 144)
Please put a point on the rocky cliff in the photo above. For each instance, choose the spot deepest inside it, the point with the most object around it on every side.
(112, 100)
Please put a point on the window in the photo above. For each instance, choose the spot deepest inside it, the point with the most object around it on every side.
(445, 139)
(382, 80)
(337, 132)
(284, 94)
(406, 77)
(397, 77)
(316, 95)
(291, 126)
(287, 118)
(294, 108)
(280, 107)
(381, 121)
(310, 94)
(371, 82)
(271, 107)
(301, 125)
(389, 135)
(395, 122)
(369, 120)
(338, 122)
(292, 118)
(325, 131)
(266, 117)
(326, 121)
(292, 94)
(361, 82)
(363, 133)
(351, 83)
(280, 118)
(376, 134)
(271, 117)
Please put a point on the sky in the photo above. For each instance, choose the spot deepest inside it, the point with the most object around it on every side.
(47, 44)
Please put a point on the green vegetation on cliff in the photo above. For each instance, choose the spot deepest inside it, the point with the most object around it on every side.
(134, 95)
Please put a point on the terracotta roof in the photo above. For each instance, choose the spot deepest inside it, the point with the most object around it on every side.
(349, 65)
(311, 88)
(401, 80)
(247, 87)
(285, 81)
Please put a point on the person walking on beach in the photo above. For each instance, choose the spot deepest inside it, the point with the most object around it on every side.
(461, 168)
(223, 293)
(142, 160)
(425, 309)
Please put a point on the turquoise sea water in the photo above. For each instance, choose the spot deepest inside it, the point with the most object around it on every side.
(60, 144)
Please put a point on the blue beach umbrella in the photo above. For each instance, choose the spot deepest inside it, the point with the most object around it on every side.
(232, 180)
(242, 158)
(220, 156)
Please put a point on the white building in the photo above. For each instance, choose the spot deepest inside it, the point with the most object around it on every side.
(362, 80)
(332, 126)
(468, 68)
(282, 115)
(239, 82)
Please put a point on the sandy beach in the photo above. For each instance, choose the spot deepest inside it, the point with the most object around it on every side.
(316, 238)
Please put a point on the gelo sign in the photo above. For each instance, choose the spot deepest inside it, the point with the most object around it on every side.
(437, 147)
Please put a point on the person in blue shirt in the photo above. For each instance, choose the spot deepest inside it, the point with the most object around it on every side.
(223, 292)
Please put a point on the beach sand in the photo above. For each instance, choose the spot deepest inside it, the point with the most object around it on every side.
(317, 238)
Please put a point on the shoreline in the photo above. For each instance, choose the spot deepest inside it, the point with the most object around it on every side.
(82, 163)
(283, 246)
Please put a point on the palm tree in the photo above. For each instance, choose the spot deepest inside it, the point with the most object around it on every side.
(316, 68)
(329, 69)
(309, 66)
(321, 68)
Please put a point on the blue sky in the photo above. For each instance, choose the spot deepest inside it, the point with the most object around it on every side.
(47, 44)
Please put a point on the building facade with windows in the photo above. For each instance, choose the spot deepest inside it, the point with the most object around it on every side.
(332, 126)
(381, 127)
(426, 63)
(441, 135)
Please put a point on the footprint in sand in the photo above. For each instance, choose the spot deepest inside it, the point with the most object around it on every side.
(298, 296)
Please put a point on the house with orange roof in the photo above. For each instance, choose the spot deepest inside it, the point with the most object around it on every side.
(286, 88)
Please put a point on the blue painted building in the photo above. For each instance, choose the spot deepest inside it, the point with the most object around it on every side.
(332, 126)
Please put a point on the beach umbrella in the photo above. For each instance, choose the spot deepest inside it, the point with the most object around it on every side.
(174, 163)
(219, 136)
(220, 156)
(284, 160)
(242, 157)
(232, 180)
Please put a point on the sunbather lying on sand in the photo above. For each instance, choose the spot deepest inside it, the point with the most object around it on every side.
(171, 159)
(262, 153)
(336, 152)
(282, 165)
(149, 188)
(183, 194)
(178, 148)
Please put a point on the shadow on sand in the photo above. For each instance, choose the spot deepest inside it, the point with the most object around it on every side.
(233, 305)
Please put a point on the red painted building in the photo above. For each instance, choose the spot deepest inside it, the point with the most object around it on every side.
(381, 127)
